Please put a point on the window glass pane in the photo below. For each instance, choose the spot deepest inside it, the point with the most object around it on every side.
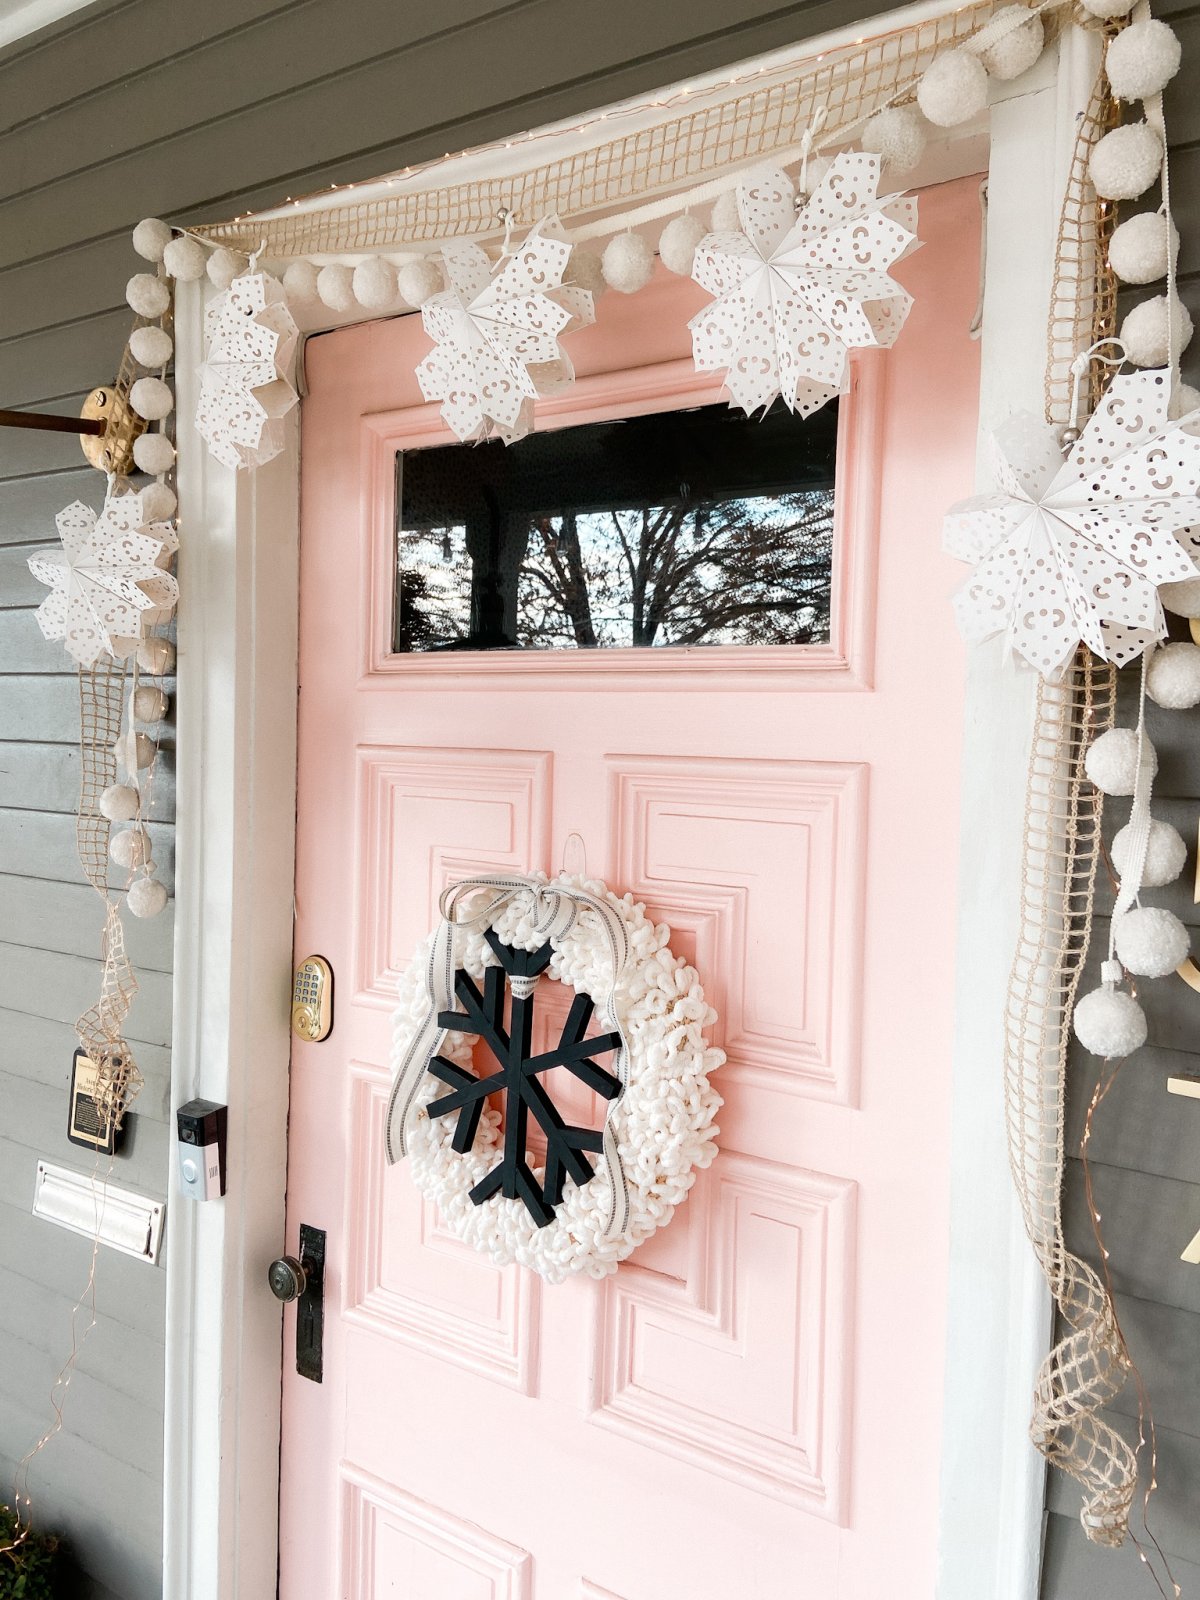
(680, 528)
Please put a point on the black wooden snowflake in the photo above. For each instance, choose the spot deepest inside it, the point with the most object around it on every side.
(518, 1080)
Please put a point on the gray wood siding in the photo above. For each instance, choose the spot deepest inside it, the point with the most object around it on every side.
(1146, 1144)
(150, 107)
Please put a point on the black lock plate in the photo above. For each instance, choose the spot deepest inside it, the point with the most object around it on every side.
(310, 1308)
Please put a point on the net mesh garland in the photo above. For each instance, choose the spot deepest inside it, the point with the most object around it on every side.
(764, 116)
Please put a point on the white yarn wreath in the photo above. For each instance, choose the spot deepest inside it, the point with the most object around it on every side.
(663, 1122)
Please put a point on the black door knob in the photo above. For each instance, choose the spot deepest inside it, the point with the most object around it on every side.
(287, 1278)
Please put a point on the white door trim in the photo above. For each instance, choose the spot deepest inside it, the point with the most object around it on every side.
(236, 801)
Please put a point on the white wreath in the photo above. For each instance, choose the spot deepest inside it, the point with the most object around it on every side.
(663, 1122)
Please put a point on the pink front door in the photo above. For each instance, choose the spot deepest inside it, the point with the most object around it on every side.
(751, 1405)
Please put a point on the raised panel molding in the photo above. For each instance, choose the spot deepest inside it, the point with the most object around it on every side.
(742, 1367)
(761, 864)
(426, 818)
(451, 1302)
(420, 1549)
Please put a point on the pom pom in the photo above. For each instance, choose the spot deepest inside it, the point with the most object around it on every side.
(1183, 598)
(300, 282)
(130, 847)
(1173, 677)
(156, 655)
(119, 803)
(225, 265)
(135, 751)
(1107, 8)
(420, 280)
(677, 244)
(1144, 331)
(146, 897)
(185, 259)
(1111, 761)
(1184, 401)
(151, 398)
(153, 453)
(1009, 43)
(149, 704)
(1142, 59)
(157, 503)
(374, 283)
(335, 288)
(1110, 1023)
(1140, 250)
(150, 238)
(725, 215)
(627, 263)
(954, 88)
(1165, 854)
(897, 133)
(1126, 162)
(147, 295)
(1151, 942)
(585, 271)
(151, 346)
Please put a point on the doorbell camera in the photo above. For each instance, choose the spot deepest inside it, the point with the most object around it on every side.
(202, 1127)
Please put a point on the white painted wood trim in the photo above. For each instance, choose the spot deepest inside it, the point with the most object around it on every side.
(18, 18)
(999, 1312)
(237, 675)
(236, 799)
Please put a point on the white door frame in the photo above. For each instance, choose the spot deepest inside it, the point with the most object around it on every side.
(237, 678)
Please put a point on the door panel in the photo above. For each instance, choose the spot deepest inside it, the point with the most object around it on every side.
(751, 1404)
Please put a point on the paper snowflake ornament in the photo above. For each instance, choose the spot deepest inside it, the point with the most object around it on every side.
(108, 580)
(245, 384)
(496, 334)
(797, 289)
(1070, 549)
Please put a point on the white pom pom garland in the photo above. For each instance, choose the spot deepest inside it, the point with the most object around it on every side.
(1173, 677)
(151, 346)
(1182, 598)
(119, 803)
(420, 280)
(1141, 249)
(156, 655)
(1107, 8)
(150, 238)
(1112, 759)
(898, 134)
(300, 282)
(1009, 43)
(584, 270)
(1165, 854)
(677, 244)
(146, 897)
(151, 398)
(1110, 1023)
(953, 89)
(135, 751)
(1151, 942)
(157, 502)
(224, 265)
(374, 283)
(335, 288)
(153, 453)
(1145, 334)
(130, 847)
(627, 263)
(725, 215)
(1142, 59)
(1126, 162)
(1184, 401)
(147, 295)
(185, 259)
(149, 704)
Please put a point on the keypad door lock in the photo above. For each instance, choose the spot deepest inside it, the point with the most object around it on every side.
(302, 1279)
(312, 1000)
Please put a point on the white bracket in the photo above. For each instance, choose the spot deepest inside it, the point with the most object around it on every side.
(1191, 1088)
(131, 1223)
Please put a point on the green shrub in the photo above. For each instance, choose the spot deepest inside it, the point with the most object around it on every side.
(26, 1573)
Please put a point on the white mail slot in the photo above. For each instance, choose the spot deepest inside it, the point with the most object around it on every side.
(131, 1223)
